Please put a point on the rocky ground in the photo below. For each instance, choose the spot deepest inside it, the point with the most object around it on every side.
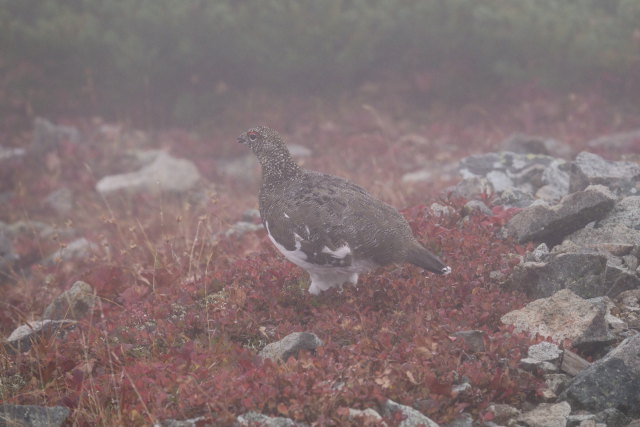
(571, 283)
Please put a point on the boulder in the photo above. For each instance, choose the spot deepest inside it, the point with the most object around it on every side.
(626, 212)
(581, 273)
(22, 337)
(502, 412)
(33, 416)
(366, 417)
(588, 169)
(562, 316)
(79, 249)
(290, 346)
(164, 174)
(412, 417)
(542, 223)
(546, 415)
(74, 303)
(611, 382)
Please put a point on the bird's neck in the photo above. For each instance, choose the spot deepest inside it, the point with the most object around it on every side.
(278, 167)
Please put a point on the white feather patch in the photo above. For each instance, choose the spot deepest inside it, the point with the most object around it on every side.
(339, 253)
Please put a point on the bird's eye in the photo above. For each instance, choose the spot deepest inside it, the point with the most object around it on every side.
(252, 136)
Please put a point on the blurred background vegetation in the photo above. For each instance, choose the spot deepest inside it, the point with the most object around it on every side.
(178, 62)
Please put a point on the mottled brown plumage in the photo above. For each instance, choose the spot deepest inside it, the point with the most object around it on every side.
(327, 225)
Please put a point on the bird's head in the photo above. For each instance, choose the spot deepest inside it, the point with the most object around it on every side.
(263, 141)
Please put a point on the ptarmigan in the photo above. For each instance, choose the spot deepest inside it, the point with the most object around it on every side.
(327, 225)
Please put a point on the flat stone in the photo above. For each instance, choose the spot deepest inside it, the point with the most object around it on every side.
(74, 303)
(588, 169)
(544, 351)
(547, 415)
(290, 346)
(412, 417)
(550, 224)
(164, 174)
(33, 416)
(562, 316)
(611, 382)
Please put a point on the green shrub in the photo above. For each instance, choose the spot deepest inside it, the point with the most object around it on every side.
(163, 60)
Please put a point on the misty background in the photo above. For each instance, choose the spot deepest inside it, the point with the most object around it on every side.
(181, 63)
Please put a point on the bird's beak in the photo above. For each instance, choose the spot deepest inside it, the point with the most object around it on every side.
(242, 139)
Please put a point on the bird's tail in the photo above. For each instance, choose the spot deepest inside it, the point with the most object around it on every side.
(423, 258)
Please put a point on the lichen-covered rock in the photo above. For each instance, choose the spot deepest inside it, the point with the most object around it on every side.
(164, 174)
(531, 144)
(547, 415)
(542, 223)
(33, 416)
(290, 346)
(611, 382)
(582, 273)
(564, 315)
(588, 169)
(74, 303)
(412, 417)
(366, 417)
(79, 249)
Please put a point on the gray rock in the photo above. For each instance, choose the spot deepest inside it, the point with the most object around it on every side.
(422, 175)
(611, 382)
(290, 346)
(588, 169)
(74, 303)
(47, 136)
(463, 420)
(366, 416)
(539, 254)
(622, 140)
(499, 181)
(471, 188)
(545, 351)
(21, 338)
(253, 419)
(244, 168)
(513, 197)
(8, 153)
(530, 144)
(612, 417)
(476, 206)
(33, 416)
(191, 422)
(617, 239)
(412, 417)
(502, 412)
(60, 201)
(582, 419)
(555, 181)
(626, 212)
(547, 415)
(440, 211)
(473, 339)
(79, 249)
(557, 382)
(164, 174)
(534, 365)
(460, 388)
(564, 315)
(583, 273)
(241, 228)
(550, 224)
